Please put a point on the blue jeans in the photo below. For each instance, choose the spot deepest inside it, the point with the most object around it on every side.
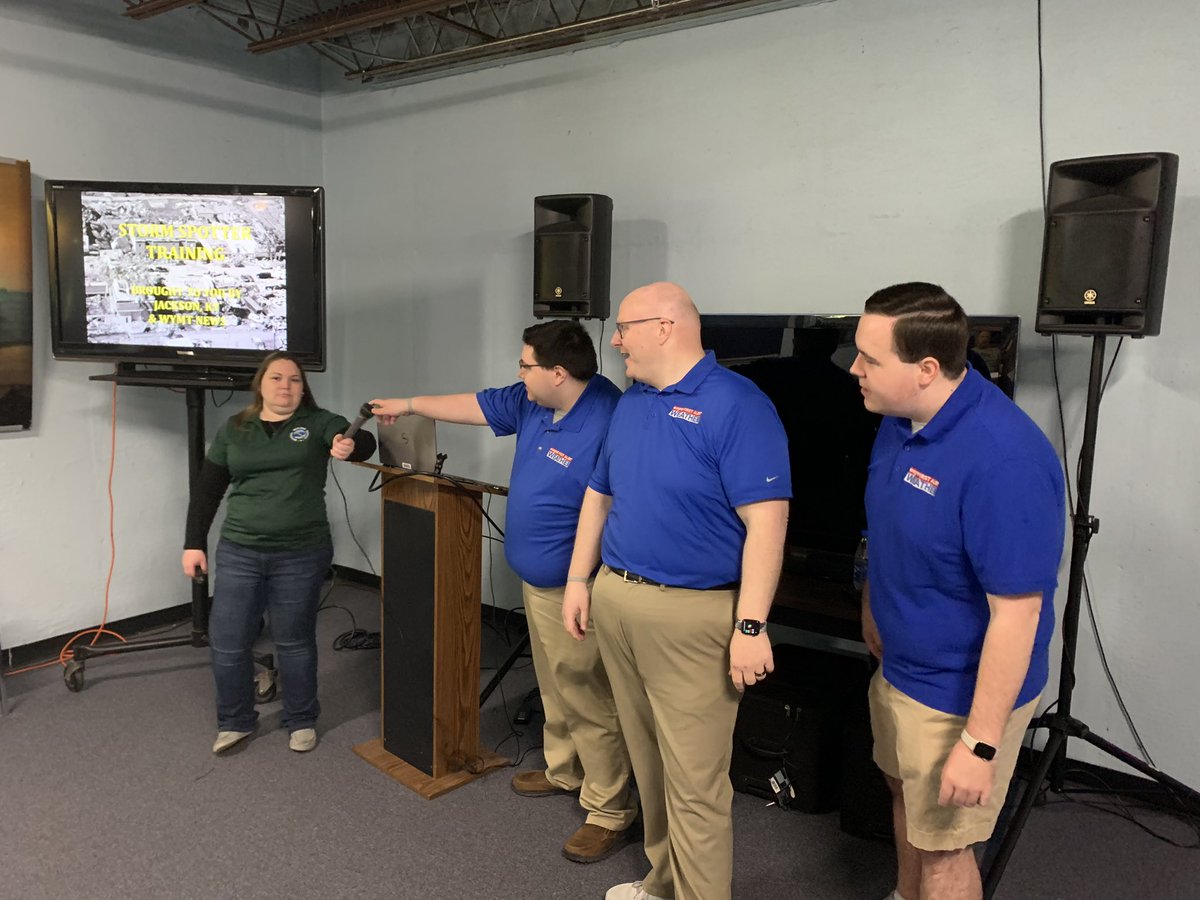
(287, 584)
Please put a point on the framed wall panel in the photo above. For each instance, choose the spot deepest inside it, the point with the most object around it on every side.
(16, 297)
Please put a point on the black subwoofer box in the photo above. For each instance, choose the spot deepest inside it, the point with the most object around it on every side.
(793, 721)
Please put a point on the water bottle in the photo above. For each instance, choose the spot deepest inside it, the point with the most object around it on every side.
(860, 563)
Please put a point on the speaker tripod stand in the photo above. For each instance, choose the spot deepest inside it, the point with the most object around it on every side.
(1061, 724)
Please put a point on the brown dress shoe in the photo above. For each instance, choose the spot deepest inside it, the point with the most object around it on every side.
(591, 843)
(536, 784)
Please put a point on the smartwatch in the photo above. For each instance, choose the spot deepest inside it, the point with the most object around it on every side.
(979, 748)
(750, 626)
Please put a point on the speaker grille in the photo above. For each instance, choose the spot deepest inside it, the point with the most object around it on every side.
(562, 263)
(1098, 261)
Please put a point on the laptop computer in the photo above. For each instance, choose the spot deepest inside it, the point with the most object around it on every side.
(409, 444)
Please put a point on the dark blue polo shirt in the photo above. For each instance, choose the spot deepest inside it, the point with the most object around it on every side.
(550, 472)
(970, 505)
(677, 462)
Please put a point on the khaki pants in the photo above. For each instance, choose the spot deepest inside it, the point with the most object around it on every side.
(666, 651)
(582, 739)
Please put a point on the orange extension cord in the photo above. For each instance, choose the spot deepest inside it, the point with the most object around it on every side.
(64, 654)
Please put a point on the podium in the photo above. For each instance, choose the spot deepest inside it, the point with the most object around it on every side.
(432, 535)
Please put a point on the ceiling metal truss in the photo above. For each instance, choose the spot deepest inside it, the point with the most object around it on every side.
(391, 40)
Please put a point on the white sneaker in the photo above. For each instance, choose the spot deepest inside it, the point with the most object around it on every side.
(632, 890)
(303, 739)
(226, 739)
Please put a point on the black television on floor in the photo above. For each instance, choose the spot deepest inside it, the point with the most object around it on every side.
(802, 363)
(193, 274)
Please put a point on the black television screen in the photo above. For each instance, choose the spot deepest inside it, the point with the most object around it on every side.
(802, 363)
(215, 275)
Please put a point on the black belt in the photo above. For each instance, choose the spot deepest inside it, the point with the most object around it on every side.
(634, 578)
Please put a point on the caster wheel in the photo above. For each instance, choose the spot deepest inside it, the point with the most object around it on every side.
(73, 676)
(265, 686)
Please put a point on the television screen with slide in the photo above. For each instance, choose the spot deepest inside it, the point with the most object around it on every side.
(213, 275)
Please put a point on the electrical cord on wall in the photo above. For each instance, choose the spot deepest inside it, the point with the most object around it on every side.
(600, 348)
(1087, 593)
(349, 527)
(64, 655)
(1044, 179)
(1124, 811)
(356, 638)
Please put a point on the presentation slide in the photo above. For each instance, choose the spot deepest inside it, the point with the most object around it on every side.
(185, 270)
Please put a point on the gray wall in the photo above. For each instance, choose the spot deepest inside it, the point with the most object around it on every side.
(791, 161)
(83, 107)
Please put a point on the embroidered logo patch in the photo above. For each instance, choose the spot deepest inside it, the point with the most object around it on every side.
(299, 433)
(922, 482)
(688, 415)
(559, 457)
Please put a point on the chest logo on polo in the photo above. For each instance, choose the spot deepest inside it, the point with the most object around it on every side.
(688, 415)
(298, 434)
(559, 457)
(922, 482)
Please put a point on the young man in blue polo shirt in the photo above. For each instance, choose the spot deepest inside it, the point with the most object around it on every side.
(966, 515)
(688, 510)
(559, 411)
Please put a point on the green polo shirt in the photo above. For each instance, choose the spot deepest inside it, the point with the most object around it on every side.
(277, 481)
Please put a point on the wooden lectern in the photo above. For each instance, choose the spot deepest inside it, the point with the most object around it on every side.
(430, 633)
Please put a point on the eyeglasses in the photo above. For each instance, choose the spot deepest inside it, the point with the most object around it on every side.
(525, 367)
(623, 326)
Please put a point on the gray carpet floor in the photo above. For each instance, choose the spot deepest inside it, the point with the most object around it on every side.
(113, 793)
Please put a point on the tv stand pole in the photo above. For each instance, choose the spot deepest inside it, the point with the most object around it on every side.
(73, 672)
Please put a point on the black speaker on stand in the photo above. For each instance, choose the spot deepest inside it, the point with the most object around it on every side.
(572, 249)
(1104, 266)
(1104, 257)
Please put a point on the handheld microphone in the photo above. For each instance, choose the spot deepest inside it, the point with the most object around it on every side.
(366, 411)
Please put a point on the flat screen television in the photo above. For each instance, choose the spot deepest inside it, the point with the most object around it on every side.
(802, 363)
(195, 274)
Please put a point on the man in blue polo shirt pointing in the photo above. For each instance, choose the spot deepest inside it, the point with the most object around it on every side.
(966, 516)
(688, 509)
(559, 411)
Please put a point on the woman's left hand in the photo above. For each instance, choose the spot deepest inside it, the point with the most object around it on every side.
(341, 447)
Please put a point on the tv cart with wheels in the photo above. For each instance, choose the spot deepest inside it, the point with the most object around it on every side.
(194, 383)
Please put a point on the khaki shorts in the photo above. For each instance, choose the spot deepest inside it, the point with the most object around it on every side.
(912, 743)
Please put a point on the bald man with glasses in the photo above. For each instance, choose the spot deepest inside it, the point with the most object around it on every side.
(559, 411)
(687, 509)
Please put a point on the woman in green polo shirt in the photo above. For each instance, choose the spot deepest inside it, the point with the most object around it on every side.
(275, 547)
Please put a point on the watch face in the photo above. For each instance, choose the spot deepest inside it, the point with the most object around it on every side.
(985, 751)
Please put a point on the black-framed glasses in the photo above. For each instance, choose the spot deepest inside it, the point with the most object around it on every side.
(525, 367)
(622, 326)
